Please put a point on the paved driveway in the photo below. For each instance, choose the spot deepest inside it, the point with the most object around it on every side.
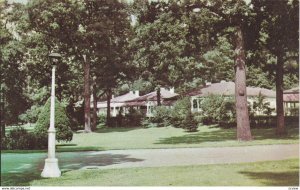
(197, 156)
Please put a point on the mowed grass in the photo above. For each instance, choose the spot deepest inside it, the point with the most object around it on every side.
(271, 173)
(170, 137)
(28, 127)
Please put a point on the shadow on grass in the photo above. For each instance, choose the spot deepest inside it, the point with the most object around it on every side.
(78, 149)
(117, 129)
(93, 159)
(18, 175)
(270, 133)
(19, 179)
(200, 137)
(290, 178)
(227, 134)
(66, 144)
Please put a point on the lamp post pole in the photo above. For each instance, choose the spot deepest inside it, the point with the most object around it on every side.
(51, 163)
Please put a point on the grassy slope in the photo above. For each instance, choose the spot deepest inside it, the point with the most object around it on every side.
(272, 173)
(169, 137)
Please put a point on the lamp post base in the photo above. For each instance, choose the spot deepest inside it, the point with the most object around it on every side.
(51, 168)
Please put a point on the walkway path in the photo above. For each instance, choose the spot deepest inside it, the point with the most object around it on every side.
(196, 156)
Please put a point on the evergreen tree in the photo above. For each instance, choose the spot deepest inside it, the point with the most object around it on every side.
(62, 122)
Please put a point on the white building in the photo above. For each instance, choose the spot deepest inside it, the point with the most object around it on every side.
(228, 89)
(147, 102)
(291, 102)
(117, 103)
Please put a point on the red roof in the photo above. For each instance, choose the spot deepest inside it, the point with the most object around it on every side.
(228, 89)
(125, 97)
(152, 96)
(291, 95)
(119, 100)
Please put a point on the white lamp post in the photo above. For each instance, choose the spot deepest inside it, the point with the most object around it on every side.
(51, 163)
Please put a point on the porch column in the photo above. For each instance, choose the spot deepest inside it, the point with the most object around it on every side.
(198, 105)
(114, 111)
(192, 105)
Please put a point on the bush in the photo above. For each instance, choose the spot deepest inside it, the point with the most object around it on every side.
(62, 123)
(4, 142)
(31, 115)
(146, 123)
(20, 139)
(261, 106)
(218, 110)
(179, 116)
(179, 112)
(102, 118)
(189, 123)
(161, 116)
(133, 118)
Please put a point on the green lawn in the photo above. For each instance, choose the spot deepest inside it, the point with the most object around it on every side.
(271, 173)
(28, 127)
(169, 137)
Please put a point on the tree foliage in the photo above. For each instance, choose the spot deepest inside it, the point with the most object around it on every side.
(13, 101)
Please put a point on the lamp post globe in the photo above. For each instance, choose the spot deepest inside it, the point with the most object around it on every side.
(51, 168)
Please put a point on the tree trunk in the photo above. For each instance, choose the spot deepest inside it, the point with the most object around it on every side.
(280, 129)
(94, 124)
(87, 95)
(2, 118)
(242, 115)
(108, 107)
(158, 96)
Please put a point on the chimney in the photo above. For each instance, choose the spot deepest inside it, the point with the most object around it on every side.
(207, 83)
(172, 90)
(130, 92)
(112, 96)
(223, 81)
(137, 93)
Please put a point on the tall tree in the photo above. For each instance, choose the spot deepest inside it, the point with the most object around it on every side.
(232, 19)
(242, 115)
(279, 34)
(110, 64)
(161, 46)
(84, 31)
(13, 101)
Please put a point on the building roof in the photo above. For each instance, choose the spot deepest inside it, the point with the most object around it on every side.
(228, 89)
(292, 91)
(119, 100)
(291, 95)
(125, 97)
(152, 96)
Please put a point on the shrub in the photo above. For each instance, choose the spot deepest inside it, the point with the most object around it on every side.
(102, 118)
(19, 138)
(179, 112)
(31, 115)
(189, 123)
(179, 116)
(4, 142)
(218, 110)
(161, 116)
(261, 106)
(146, 123)
(133, 118)
(62, 123)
